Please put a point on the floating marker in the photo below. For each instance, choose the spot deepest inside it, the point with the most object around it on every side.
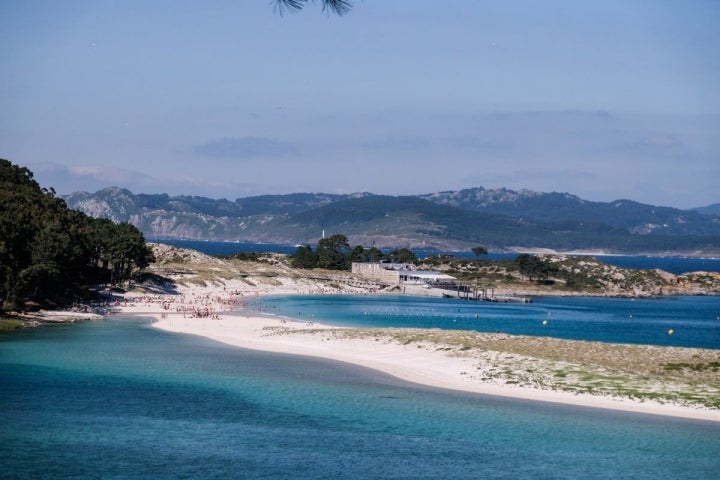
(544, 322)
(671, 331)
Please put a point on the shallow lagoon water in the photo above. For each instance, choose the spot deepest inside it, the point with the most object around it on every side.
(118, 399)
(695, 321)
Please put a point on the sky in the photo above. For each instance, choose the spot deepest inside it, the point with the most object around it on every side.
(611, 99)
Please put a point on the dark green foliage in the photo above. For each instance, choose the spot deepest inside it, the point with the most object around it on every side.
(479, 250)
(372, 254)
(49, 254)
(403, 255)
(245, 256)
(362, 254)
(335, 253)
(535, 268)
(304, 258)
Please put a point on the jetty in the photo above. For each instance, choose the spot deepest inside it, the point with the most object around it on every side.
(506, 299)
(465, 292)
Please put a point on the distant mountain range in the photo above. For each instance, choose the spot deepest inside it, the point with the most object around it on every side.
(713, 209)
(499, 219)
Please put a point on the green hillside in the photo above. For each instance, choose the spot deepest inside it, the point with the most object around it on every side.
(500, 219)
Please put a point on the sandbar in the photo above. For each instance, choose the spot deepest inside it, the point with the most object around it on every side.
(217, 314)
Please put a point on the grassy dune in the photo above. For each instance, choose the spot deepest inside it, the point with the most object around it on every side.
(686, 376)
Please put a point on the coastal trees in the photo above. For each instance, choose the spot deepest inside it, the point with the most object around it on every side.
(479, 250)
(49, 254)
(534, 268)
(335, 253)
(362, 254)
(304, 257)
(403, 255)
(332, 252)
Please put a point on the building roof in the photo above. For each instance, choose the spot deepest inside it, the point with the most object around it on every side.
(429, 275)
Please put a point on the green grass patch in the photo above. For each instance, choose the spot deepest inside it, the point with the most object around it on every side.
(10, 324)
(695, 367)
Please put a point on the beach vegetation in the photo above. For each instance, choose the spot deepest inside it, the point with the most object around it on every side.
(304, 257)
(9, 324)
(51, 255)
(534, 268)
(335, 253)
(245, 256)
(402, 255)
(685, 376)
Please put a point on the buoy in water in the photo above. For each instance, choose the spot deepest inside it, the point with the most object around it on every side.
(671, 331)
(544, 322)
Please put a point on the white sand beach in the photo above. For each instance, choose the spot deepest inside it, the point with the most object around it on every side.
(207, 312)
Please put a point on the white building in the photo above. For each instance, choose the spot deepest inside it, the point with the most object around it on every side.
(401, 273)
(426, 277)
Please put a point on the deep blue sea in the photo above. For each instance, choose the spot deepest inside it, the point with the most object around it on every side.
(676, 265)
(116, 399)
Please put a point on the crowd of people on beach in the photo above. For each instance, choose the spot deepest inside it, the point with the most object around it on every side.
(210, 303)
(204, 305)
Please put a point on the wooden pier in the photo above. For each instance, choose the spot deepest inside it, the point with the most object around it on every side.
(505, 299)
(466, 292)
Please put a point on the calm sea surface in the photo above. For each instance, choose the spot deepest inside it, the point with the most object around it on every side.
(694, 321)
(676, 265)
(116, 399)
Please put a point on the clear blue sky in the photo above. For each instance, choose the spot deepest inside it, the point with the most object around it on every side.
(603, 99)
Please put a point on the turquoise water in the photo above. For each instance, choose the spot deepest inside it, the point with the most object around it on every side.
(117, 399)
(695, 321)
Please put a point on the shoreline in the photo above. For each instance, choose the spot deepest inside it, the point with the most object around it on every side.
(210, 313)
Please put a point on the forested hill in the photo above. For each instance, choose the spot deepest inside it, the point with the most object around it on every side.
(713, 209)
(500, 219)
(628, 215)
(50, 255)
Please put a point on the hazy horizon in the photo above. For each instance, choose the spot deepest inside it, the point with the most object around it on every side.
(603, 100)
(353, 193)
